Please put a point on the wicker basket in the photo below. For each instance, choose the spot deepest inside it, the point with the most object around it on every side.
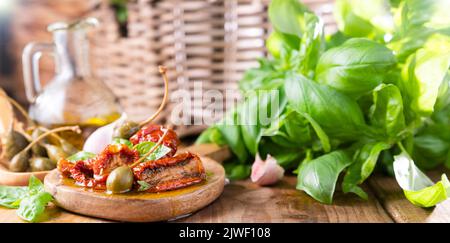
(211, 41)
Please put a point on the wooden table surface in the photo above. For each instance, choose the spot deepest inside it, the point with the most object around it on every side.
(243, 201)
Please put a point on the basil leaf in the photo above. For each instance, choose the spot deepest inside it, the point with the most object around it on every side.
(82, 155)
(144, 186)
(260, 77)
(33, 206)
(260, 109)
(237, 170)
(323, 137)
(287, 157)
(423, 74)
(360, 170)
(318, 177)
(291, 131)
(387, 110)
(286, 16)
(418, 188)
(363, 18)
(10, 195)
(337, 114)
(278, 43)
(356, 67)
(122, 141)
(430, 150)
(231, 133)
(145, 147)
(312, 44)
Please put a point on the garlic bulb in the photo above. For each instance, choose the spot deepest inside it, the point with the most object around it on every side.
(101, 137)
(266, 172)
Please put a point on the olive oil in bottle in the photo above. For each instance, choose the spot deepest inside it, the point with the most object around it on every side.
(73, 96)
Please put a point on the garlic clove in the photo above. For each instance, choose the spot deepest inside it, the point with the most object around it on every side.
(266, 172)
(101, 137)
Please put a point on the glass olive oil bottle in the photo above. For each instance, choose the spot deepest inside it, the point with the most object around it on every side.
(73, 96)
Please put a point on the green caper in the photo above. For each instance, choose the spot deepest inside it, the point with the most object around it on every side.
(120, 180)
(125, 130)
(20, 162)
(54, 152)
(41, 164)
(67, 147)
(14, 143)
(37, 148)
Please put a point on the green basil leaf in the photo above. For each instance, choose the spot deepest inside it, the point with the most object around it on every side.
(318, 177)
(312, 44)
(337, 114)
(387, 110)
(9, 195)
(237, 170)
(424, 73)
(277, 43)
(32, 207)
(286, 16)
(122, 141)
(363, 18)
(356, 67)
(231, 133)
(286, 156)
(360, 170)
(145, 147)
(418, 188)
(260, 110)
(291, 131)
(262, 77)
(430, 150)
(35, 186)
(82, 155)
(432, 14)
(144, 186)
(323, 137)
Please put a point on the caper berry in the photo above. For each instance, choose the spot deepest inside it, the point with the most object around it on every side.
(41, 164)
(55, 153)
(20, 163)
(14, 143)
(38, 149)
(120, 180)
(125, 130)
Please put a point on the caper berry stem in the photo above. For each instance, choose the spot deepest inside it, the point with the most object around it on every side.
(20, 109)
(163, 72)
(53, 134)
(151, 150)
(43, 135)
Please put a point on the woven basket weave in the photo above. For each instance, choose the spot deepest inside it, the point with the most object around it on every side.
(198, 40)
(211, 41)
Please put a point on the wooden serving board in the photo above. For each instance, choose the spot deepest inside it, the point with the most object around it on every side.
(138, 207)
(10, 178)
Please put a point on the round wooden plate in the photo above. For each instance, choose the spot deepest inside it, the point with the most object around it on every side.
(138, 207)
(10, 178)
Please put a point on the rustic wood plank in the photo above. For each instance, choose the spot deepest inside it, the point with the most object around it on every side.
(400, 209)
(243, 201)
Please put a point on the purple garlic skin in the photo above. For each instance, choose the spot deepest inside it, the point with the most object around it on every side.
(266, 172)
